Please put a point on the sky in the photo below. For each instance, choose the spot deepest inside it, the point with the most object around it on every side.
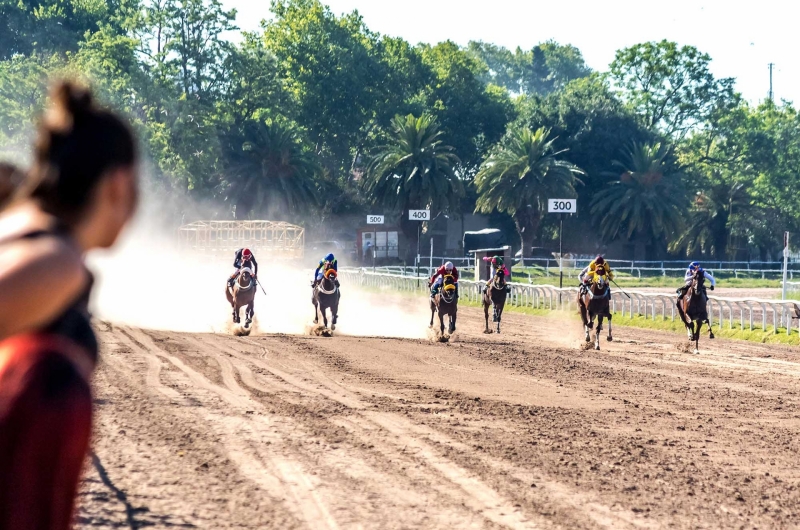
(742, 38)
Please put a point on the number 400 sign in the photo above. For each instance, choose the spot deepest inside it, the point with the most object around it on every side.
(562, 206)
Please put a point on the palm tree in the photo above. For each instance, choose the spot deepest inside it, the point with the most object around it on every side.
(714, 217)
(414, 169)
(646, 202)
(520, 175)
(269, 169)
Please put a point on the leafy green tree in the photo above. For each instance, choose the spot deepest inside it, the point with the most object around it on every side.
(712, 221)
(646, 203)
(520, 175)
(474, 116)
(546, 68)
(671, 88)
(268, 169)
(414, 169)
(338, 75)
(49, 26)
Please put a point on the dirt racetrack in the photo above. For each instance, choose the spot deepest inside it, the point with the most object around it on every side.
(519, 430)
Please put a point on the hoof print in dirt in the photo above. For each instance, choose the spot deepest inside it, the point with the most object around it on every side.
(242, 331)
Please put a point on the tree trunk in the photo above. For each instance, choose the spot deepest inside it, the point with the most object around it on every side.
(409, 229)
(527, 223)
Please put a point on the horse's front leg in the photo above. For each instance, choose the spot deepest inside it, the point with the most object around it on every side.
(334, 315)
(453, 322)
(598, 331)
(697, 337)
(710, 330)
(609, 338)
(324, 315)
(441, 323)
(433, 312)
(499, 310)
(486, 315)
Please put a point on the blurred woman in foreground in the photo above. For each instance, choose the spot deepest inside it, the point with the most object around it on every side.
(78, 195)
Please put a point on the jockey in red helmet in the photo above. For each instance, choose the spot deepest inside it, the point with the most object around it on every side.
(244, 258)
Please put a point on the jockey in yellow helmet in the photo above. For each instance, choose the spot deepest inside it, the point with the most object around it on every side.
(588, 273)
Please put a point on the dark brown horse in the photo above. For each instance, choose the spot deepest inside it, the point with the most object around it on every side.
(326, 296)
(495, 295)
(445, 302)
(693, 309)
(243, 293)
(593, 302)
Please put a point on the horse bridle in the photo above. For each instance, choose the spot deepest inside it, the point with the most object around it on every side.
(323, 290)
(606, 291)
(242, 287)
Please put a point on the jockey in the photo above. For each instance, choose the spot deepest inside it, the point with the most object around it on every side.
(687, 278)
(497, 261)
(438, 277)
(328, 262)
(587, 274)
(243, 258)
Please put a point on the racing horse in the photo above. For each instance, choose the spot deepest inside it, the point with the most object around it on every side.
(243, 293)
(693, 309)
(494, 295)
(445, 302)
(595, 302)
(326, 296)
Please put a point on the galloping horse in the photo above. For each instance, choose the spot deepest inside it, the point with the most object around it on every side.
(445, 303)
(495, 295)
(243, 293)
(595, 303)
(693, 309)
(326, 296)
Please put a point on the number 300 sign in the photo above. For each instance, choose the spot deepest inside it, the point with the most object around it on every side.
(562, 206)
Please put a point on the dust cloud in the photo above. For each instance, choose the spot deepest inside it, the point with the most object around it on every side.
(148, 282)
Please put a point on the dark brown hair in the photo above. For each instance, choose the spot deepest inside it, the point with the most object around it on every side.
(77, 144)
(10, 179)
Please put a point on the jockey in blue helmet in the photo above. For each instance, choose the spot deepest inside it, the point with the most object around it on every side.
(328, 262)
(694, 267)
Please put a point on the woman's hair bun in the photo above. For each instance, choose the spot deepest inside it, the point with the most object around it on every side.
(71, 102)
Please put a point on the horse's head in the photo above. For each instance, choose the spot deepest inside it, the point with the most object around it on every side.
(698, 279)
(246, 274)
(499, 278)
(330, 274)
(600, 277)
(448, 280)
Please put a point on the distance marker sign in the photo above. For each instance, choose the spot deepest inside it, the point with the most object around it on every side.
(374, 219)
(419, 215)
(562, 206)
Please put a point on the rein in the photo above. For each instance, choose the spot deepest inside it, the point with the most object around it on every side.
(606, 293)
(325, 291)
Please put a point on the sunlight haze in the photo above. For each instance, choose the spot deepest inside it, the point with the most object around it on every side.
(742, 38)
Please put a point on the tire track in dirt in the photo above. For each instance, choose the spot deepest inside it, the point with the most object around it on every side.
(478, 496)
(157, 451)
(407, 435)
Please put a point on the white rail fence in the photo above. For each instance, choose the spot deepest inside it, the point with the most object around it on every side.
(733, 313)
(549, 268)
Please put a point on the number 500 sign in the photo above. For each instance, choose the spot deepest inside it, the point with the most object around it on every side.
(562, 206)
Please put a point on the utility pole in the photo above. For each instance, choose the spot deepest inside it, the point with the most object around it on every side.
(771, 65)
